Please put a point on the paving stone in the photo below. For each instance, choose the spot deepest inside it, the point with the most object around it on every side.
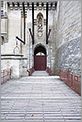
(39, 99)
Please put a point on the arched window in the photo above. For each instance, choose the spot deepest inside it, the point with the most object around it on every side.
(40, 25)
(2, 39)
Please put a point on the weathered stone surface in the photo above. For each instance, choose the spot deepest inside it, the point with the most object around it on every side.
(69, 56)
(65, 25)
(68, 22)
(39, 99)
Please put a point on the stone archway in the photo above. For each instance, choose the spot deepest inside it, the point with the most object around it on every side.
(40, 58)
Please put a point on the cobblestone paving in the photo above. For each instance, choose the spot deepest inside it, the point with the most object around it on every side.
(39, 99)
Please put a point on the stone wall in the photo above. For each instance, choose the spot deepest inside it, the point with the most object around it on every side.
(69, 56)
(68, 22)
(16, 63)
(68, 36)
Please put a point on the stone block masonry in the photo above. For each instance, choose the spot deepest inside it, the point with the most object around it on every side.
(72, 80)
(68, 58)
(68, 22)
(68, 36)
(39, 99)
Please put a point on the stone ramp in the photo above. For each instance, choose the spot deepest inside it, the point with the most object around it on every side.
(40, 73)
(39, 99)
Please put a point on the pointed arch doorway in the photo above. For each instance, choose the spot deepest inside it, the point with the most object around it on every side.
(40, 58)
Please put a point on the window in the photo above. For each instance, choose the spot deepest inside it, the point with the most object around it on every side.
(1, 4)
(2, 39)
(1, 12)
(39, 24)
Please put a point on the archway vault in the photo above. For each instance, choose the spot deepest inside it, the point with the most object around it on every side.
(40, 60)
(40, 48)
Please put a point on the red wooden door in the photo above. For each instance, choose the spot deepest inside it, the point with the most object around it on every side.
(40, 63)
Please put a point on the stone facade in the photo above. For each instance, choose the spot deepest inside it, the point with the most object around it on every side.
(68, 37)
(63, 49)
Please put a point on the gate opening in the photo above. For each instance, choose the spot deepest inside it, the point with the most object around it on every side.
(40, 58)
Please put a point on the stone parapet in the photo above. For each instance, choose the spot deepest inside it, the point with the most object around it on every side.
(72, 80)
